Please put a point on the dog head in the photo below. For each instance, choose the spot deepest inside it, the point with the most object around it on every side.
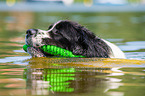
(71, 36)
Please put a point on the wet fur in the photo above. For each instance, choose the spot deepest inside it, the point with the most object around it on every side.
(71, 36)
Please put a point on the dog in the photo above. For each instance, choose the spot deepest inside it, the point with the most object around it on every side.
(73, 37)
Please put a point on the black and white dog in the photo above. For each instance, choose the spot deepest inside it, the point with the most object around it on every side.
(73, 37)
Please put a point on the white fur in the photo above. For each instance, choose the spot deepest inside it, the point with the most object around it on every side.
(38, 39)
(42, 34)
(116, 52)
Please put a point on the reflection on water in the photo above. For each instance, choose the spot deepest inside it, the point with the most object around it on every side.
(57, 79)
(50, 76)
(133, 46)
(65, 76)
(69, 77)
(11, 80)
(69, 80)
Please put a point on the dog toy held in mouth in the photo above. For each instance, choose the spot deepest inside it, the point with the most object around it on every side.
(54, 50)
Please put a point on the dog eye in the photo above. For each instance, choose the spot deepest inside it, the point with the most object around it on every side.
(56, 32)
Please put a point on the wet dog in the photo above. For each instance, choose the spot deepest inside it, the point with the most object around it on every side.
(73, 37)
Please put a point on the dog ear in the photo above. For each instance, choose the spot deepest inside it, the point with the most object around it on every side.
(87, 44)
(81, 40)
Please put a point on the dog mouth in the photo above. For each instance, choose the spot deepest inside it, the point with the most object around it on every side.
(36, 39)
(40, 51)
(36, 47)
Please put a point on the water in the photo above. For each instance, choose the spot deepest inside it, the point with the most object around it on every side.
(22, 75)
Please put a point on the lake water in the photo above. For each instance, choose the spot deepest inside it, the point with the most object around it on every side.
(21, 75)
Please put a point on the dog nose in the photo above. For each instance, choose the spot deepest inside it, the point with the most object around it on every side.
(31, 31)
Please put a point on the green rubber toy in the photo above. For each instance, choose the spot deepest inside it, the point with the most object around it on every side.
(54, 50)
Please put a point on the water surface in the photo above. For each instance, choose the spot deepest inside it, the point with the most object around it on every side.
(22, 75)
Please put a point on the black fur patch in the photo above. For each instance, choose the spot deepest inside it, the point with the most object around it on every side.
(78, 39)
